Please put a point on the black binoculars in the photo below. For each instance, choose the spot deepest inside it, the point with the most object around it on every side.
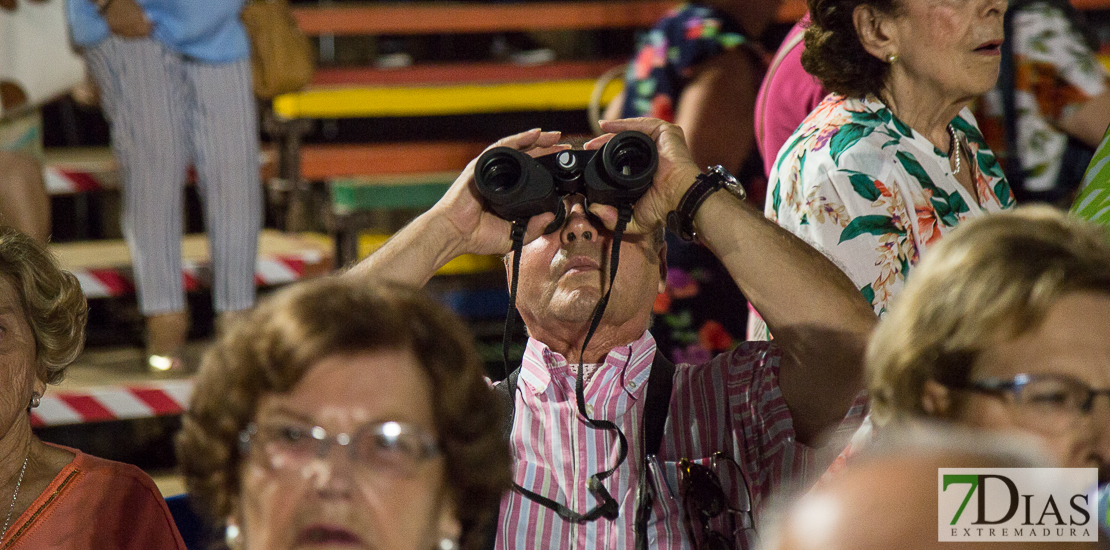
(517, 186)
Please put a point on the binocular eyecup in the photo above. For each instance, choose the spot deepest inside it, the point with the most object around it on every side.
(517, 186)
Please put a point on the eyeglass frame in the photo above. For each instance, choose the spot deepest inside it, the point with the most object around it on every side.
(430, 446)
(703, 518)
(1014, 386)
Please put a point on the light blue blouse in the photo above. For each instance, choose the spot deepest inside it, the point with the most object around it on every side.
(208, 30)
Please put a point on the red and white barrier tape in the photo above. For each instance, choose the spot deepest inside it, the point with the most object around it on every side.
(69, 182)
(61, 407)
(273, 270)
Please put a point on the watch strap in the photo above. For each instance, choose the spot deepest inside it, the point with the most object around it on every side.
(681, 219)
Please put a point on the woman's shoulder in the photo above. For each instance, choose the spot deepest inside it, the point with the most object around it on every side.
(699, 27)
(1039, 16)
(95, 502)
(104, 471)
(689, 15)
(844, 134)
(1050, 31)
(108, 478)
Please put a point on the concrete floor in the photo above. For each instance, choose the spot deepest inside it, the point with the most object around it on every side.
(103, 366)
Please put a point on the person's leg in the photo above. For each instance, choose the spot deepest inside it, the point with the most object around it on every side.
(24, 203)
(142, 90)
(224, 130)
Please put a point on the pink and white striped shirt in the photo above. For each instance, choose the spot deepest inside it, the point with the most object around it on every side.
(731, 404)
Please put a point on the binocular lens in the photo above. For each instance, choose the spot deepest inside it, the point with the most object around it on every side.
(629, 161)
(501, 173)
(632, 158)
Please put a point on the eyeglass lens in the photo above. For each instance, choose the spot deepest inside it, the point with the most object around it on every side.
(1054, 403)
(389, 446)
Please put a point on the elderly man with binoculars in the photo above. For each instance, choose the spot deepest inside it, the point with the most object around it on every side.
(613, 446)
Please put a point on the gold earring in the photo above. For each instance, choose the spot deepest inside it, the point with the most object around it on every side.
(891, 58)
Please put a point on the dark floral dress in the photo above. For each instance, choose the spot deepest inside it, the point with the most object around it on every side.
(702, 312)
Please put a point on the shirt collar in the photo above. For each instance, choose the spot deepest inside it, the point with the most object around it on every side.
(875, 105)
(635, 359)
(965, 129)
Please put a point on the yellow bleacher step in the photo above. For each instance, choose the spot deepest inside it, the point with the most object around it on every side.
(463, 265)
(371, 102)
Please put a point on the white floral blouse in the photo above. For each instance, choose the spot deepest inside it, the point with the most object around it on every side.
(1056, 74)
(873, 194)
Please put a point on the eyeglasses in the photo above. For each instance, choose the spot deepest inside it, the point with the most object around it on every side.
(1049, 401)
(705, 499)
(381, 447)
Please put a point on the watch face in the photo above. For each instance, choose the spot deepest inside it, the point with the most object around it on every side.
(731, 183)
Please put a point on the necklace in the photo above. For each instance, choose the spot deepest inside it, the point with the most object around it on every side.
(955, 149)
(15, 494)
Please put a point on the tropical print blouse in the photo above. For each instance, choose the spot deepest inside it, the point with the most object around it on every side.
(666, 57)
(873, 194)
(1055, 73)
(1093, 202)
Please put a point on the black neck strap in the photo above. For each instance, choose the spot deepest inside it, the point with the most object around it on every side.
(656, 408)
(517, 236)
(660, 384)
(608, 507)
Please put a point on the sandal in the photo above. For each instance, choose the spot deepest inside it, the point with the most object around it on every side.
(166, 364)
(166, 335)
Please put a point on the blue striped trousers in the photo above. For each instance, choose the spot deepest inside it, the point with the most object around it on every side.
(168, 112)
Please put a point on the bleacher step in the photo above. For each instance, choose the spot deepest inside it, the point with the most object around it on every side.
(104, 267)
(459, 99)
(74, 170)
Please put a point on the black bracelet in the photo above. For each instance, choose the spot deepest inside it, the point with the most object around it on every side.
(681, 219)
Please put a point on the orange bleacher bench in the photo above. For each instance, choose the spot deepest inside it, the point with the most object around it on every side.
(447, 18)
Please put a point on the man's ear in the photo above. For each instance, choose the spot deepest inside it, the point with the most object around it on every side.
(875, 29)
(936, 399)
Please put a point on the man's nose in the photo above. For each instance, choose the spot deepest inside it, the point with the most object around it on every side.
(579, 224)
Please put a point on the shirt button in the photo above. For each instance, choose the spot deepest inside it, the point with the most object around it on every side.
(631, 385)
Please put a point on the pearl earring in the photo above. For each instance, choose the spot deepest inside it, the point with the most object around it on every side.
(448, 543)
(36, 400)
(233, 536)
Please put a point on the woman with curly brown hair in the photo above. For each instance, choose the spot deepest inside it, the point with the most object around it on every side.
(53, 496)
(340, 413)
(892, 160)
